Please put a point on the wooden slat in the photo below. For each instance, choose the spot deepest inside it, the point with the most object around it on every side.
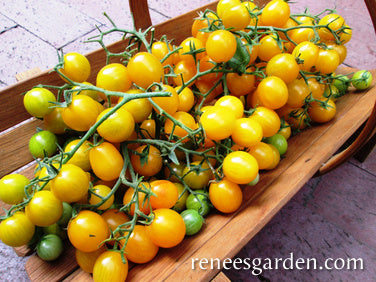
(140, 10)
(79, 276)
(28, 73)
(220, 277)
(14, 146)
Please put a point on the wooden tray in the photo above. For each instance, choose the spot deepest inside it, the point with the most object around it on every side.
(223, 236)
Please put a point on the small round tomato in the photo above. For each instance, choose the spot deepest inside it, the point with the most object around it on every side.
(207, 64)
(361, 79)
(224, 5)
(269, 47)
(147, 160)
(285, 130)
(236, 18)
(322, 112)
(16, 230)
(283, 66)
(331, 92)
(140, 248)
(278, 141)
(221, 46)
(225, 196)
(340, 49)
(197, 25)
(184, 71)
(114, 218)
(91, 93)
(193, 221)
(45, 175)
(50, 247)
(55, 229)
(147, 128)
(306, 52)
(160, 49)
(197, 175)
(44, 208)
(166, 194)
(43, 143)
(316, 88)
(87, 231)
(167, 228)
(76, 67)
(81, 157)
(247, 132)
(231, 103)
(268, 119)
(345, 35)
(298, 118)
(240, 167)
(39, 101)
(303, 32)
(66, 216)
(298, 91)
(199, 201)
(109, 266)
(139, 108)
(117, 127)
(145, 69)
(113, 77)
(186, 99)
(99, 193)
(240, 84)
(263, 154)
(54, 121)
(208, 90)
(275, 13)
(183, 195)
(276, 157)
(86, 260)
(12, 188)
(106, 161)
(327, 61)
(272, 92)
(183, 117)
(332, 23)
(342, 83)
(70, 184)
(218, 122)
(169, 104)
(131, 195)
(81, 113)
(192, 49)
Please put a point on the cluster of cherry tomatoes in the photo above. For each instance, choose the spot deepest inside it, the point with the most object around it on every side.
(135, 161)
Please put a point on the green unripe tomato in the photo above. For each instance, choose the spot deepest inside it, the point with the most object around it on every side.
(50, 247)
(193, 221)
(361, 79)
(199, 202)
(342, 83)
(43, 143)
(39, 101)
(278, 141)
(66, 216)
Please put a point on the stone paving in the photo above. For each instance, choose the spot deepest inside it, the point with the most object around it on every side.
(333, 216)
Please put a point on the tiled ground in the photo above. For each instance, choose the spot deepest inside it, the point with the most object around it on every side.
(331, 217)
